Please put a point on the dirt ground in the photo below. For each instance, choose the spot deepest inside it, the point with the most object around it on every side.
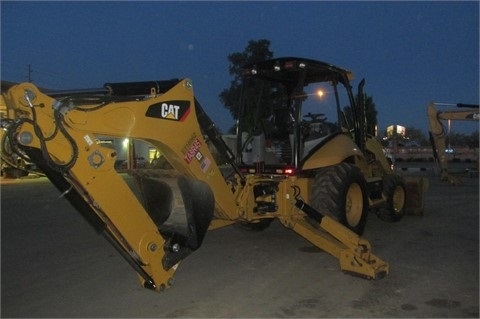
(55, 265)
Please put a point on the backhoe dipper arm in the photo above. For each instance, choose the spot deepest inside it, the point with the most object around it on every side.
(60, 135)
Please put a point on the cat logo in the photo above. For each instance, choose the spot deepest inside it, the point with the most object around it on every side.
(169, 110)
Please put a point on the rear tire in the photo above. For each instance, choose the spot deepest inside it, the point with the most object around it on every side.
(341, 192)
(394, 191)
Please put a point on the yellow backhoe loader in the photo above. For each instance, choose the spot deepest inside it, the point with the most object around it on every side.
(465, 112)
(318, 179)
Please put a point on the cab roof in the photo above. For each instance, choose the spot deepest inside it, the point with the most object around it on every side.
(287, 70)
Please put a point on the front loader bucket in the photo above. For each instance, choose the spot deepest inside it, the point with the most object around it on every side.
(182, 208)
(415, 188)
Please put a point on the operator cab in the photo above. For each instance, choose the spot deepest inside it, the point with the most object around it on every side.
(289, 107)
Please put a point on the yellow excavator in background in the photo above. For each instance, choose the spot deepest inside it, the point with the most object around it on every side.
(466, 112)
(317, 180)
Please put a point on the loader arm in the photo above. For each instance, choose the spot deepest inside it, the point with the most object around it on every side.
(467, 112)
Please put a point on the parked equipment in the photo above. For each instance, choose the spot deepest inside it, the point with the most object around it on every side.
(318, 179)
(466, 112)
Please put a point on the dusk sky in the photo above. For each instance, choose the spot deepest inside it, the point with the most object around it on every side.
(409, 52)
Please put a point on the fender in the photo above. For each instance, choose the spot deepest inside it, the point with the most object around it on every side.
(331, 151)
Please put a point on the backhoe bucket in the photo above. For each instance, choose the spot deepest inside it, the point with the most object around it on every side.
(158, 198)
(182, 208)
(415, 188)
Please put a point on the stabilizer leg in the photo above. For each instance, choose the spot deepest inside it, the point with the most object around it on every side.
(353, 252)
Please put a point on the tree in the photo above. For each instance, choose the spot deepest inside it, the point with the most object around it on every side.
(416, 135)
(462, 140)
(370, 115)
(472, 140)
(254, 52)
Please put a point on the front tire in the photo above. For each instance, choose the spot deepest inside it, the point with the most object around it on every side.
(341, 192)
(395, 193)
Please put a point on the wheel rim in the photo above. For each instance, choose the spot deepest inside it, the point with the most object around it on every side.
(398, 199)
(354, 204)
